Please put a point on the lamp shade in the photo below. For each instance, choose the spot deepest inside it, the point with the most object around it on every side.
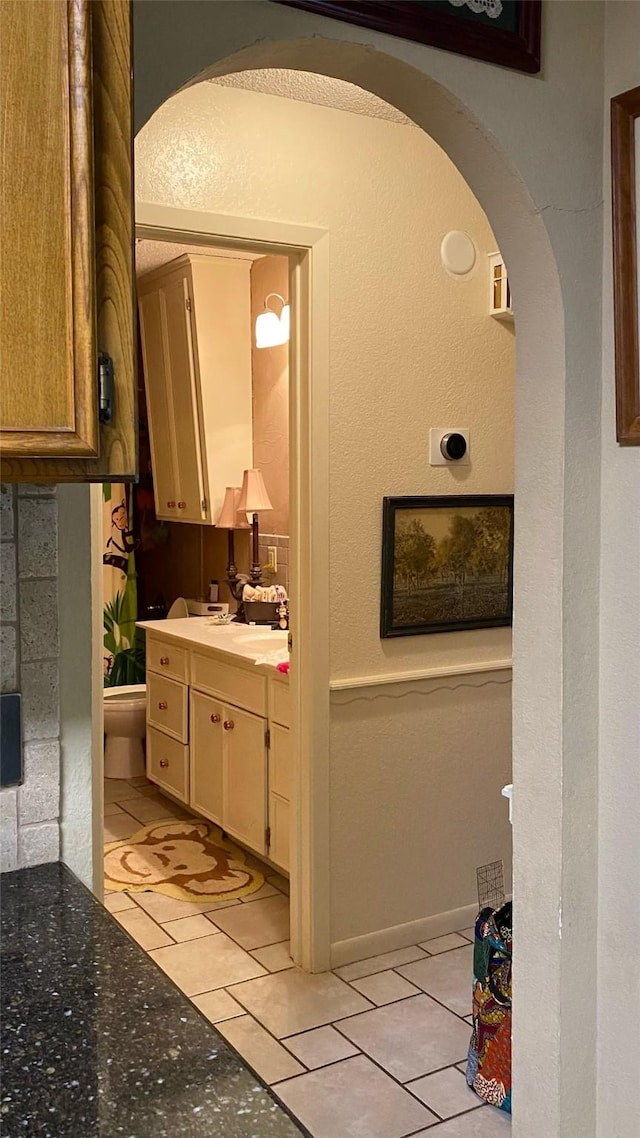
(253, 495)
(229, 517)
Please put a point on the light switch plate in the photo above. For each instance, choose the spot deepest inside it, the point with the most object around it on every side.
(436, 457)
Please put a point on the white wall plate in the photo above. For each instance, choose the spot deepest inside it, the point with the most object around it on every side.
(436, 457)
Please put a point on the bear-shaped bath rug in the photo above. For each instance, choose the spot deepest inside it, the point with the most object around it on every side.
(188, 860)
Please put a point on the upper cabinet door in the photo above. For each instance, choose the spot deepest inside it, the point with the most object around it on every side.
(66, 272)
(152, 334)
(206, 349)
(184, 398)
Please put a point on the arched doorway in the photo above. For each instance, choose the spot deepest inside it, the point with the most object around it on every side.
(545, 874)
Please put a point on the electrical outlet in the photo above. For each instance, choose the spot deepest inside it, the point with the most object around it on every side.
(272, 552)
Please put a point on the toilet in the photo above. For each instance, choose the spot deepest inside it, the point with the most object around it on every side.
(125, 713)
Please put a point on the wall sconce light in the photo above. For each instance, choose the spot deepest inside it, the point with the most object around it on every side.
(271, 329)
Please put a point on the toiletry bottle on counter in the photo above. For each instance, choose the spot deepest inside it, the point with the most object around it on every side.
(213, 590)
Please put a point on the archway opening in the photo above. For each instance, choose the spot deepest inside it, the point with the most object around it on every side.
(523, 240)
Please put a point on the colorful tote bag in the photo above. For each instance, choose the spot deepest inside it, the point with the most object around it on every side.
(489, 1058)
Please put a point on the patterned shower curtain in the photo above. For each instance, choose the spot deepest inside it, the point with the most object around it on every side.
(124, 661)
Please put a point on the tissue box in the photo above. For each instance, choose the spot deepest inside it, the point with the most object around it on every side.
(261, 612)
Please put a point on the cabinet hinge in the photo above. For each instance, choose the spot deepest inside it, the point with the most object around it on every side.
(267, 738)
(267, 837)
(204, 505)
(187, 304)
(106, 388)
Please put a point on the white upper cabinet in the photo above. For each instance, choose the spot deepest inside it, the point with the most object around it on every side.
(195, 324)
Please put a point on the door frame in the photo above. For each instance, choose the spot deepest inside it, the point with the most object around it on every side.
(308, 251)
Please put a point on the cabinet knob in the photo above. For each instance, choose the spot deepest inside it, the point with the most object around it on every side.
(171, 505)
(182, 505)
(162, 705)
(164, 660)
(164, 762)
(215, 718)
(228, 724)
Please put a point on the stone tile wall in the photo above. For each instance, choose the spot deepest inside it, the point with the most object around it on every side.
(29, 650)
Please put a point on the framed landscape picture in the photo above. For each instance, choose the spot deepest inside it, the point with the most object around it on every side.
(506, 32)
(625, 184)
(447, 564)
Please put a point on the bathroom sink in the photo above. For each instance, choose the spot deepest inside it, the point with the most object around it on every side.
(262, 642)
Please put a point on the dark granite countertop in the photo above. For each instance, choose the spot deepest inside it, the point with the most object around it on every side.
(96, 1040)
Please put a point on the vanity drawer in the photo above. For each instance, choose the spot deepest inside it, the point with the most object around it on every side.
(167, 706)
(279, 702)
(167, 659)
(236, 685)
(168, 763)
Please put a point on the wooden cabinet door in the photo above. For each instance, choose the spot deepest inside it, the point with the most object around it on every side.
(165, 480)
(66, 271)
(279, 826)
(244, 777)
(279, 795)
(184, 402)
(206, 739)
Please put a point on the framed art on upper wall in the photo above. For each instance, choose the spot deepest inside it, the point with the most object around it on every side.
(447, 563)
(506, 32)
(625, 199)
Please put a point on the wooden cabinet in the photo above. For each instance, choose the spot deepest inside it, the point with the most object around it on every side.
(229, 768)
(168, 763)
(211, 742)
(244, 777)
(66, 272)
(167, 705)
(279, 794)
(195, 322)
(206, 741)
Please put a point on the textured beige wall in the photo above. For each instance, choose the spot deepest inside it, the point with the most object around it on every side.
(415, 810)
(270, 368)
(411, 347)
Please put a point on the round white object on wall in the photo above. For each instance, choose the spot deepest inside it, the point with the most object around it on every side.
(458, 253)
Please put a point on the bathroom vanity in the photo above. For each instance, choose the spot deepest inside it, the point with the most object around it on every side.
(218, 728)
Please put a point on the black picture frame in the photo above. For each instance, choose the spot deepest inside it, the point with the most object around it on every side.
(446, 601)
(625, 201)
(458, 30)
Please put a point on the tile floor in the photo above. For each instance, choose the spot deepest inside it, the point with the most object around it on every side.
(371, 1050)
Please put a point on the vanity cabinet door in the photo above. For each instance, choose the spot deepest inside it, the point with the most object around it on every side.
(66, 270)
(244, 777)
(207, 735)
(279, 795)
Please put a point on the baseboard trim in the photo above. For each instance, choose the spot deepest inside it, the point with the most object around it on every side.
(401, 936)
